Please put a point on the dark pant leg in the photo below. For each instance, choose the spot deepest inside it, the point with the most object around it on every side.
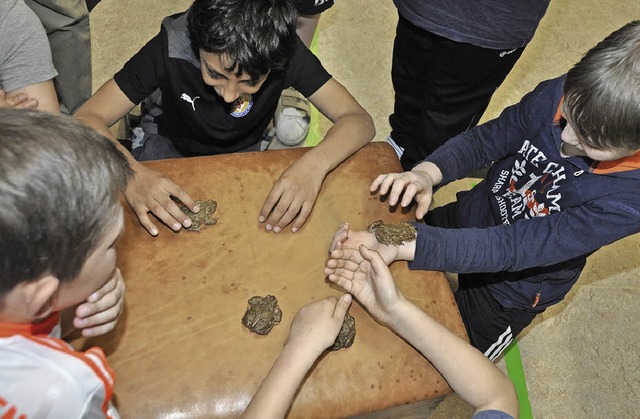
(442, 88)
(409, 75)
(490, 327)
(92, 3)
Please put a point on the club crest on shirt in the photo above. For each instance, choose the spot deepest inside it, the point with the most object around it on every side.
(242, 105)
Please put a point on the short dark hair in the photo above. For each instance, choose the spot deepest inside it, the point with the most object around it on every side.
(60, 184)
(602, 91)
(257, 36)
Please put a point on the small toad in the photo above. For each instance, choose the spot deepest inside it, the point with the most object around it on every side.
(393, 234)
(347, 334)
(203, 217)
(263, 313)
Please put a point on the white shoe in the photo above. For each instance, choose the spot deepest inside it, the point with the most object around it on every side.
(292, 118)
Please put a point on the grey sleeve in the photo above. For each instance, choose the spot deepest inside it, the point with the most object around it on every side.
(25, 56)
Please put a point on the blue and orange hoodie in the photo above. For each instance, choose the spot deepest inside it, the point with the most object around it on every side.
(538, 214)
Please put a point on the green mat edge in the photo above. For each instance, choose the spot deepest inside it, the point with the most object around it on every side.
(314, 137)
(513, 360)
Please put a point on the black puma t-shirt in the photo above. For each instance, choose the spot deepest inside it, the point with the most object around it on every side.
(194, 117)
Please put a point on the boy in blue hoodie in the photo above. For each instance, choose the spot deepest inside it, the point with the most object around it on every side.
(564, 182)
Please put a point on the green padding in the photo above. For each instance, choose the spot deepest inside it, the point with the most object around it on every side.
(516, 374)
(313, 137)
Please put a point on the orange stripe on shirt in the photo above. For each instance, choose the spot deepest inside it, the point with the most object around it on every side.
(42, 328)
(624, 164)
(94, 357)
(558, 116)
(103, 372)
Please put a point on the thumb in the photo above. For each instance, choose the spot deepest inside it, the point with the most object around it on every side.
(374, 258)
(424, 200)
(342, 306)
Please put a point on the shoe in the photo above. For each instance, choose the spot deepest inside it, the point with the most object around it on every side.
(292, 118)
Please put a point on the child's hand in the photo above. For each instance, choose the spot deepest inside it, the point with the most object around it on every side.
(345, 238)
(317, 324)
(291, 199)
(100, 313)
(370, 281)
(17, 101)
(151, 191)
(415, 184)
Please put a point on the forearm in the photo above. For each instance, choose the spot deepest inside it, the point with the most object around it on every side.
(349, 134)
(275, 394)
(99, 124)
(469, 373)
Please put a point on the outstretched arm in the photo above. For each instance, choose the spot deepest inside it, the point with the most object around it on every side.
(293, 195)
(469, 373)
(346, 242)
(148, 190)
(313, 330)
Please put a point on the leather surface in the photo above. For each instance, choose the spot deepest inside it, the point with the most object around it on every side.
(180, 348)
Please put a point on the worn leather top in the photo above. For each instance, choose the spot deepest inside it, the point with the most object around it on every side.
(180, 347)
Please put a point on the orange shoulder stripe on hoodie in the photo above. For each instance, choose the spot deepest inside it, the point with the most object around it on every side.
(621, 165)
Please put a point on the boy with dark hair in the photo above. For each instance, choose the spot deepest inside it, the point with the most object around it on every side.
(221, 67)
(60, 217)
(564, 182)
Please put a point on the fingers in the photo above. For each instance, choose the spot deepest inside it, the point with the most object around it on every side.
(345, 257)
(409, 185)
(374, 258)
(288, 208)
(146, 222)
(279, 210)
(423, 207)
(151, 191)
(377, 182)
(334, 265)
(167, 210)
(105, 322)
(304, 213)
(110, 286)
(344, 282)
(385, 182)
(100, 313)
(182, 195)
(17, 101)
(340, 235)
(342, 306)
(270, 203)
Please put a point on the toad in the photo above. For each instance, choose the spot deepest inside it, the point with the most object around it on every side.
(393, 234)
(263, 313)
(347, 334)
(203, 217)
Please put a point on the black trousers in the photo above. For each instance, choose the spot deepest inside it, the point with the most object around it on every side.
(442, 88)
(490, 327)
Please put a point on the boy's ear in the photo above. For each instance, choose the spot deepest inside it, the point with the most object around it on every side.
(39, 296)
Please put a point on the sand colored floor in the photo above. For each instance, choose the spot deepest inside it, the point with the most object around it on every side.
(582, 357)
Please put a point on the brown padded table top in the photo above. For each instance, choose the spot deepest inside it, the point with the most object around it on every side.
(180, 348)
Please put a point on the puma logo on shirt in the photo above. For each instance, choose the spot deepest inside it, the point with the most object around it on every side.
(187, 98)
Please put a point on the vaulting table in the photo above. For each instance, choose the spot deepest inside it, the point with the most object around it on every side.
(180, 349)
